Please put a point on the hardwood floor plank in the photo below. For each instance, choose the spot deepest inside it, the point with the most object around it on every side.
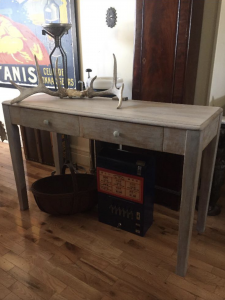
(32, 283)
(56, 285)
(149, 285)
(96, 271)
(5, 265)
(24, 292)
(80, 253)
(30, 243)
(4, 292)
(73, 273)
(79, 293)
(12, 296)
(3, 250)
(46, 234)
(18, 261)
(6, 279)
(192, 288)
(157, 280)
(220, 290)
(37, 260)
(76, 286)
(218, 272)
(57, 297)
(206, 280)
(126, 291)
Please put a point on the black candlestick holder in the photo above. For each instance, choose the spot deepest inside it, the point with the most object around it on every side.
(56, 31)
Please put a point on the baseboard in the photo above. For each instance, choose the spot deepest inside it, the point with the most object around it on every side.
(80, 155)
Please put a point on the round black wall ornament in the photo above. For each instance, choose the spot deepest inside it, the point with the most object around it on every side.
(111, 17)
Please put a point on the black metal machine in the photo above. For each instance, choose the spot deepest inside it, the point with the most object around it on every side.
(125, 190)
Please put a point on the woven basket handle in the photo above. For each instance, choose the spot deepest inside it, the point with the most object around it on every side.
(69, 165)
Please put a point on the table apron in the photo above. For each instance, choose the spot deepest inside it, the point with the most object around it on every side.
(45, 120)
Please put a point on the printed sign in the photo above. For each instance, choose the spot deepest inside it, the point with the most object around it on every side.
(120, 185)
(21, 38)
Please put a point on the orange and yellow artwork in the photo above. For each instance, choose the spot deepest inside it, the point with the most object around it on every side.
(19, 45)
(22, 38)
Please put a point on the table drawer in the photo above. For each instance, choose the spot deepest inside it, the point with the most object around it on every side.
(45, 120)
(141, 136)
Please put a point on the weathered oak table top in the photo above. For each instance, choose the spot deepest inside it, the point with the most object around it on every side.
(180, 129)
(134, 111)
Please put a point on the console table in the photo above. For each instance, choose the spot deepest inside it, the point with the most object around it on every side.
(175, 128)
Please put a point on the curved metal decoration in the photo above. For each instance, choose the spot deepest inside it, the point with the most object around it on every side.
(111, 17)
(70, 93)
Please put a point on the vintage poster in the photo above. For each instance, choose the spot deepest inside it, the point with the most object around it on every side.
(21, 38)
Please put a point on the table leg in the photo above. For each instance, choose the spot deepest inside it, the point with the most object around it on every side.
(208, 164)
(191, 170)
(17, 159)
(57, 151)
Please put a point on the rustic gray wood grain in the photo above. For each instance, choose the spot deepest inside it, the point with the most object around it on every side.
(208, 165)
(192, 163)
(17, 159)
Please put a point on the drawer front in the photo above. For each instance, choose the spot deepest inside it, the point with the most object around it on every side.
(44, 120)
(141, 136)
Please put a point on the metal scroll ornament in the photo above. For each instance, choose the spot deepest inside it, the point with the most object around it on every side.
(111, 17)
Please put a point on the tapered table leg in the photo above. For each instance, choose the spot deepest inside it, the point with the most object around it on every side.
(17, 159)
(57, 151)
(191, 170)
(208, 164)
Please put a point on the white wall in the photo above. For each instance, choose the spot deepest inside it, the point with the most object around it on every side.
(207, 51)
(217, 91)
(98, 42)
(6, 94)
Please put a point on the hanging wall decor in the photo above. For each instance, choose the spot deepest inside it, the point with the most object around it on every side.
(111, 17)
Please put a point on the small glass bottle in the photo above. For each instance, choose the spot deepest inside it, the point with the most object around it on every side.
(51, 12)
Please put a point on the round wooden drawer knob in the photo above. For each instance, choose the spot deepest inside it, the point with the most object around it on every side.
(46, 122)
(116, 133)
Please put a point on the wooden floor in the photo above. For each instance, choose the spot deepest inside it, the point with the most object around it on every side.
(76, 257)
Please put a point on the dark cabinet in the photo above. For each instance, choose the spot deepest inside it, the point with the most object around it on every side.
(37, 145)
(167, 42)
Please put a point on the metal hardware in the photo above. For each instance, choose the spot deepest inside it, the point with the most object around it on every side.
(46, 122)
(139, 168)
(111, 17)
(138, 216)
(89, 71)
(81, 85)
(116, 133)
(119, 225)
(140, 164)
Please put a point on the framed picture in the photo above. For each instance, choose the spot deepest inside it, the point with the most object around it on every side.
(21, 38)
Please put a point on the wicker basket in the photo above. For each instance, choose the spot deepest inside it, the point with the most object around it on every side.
(65, 194)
